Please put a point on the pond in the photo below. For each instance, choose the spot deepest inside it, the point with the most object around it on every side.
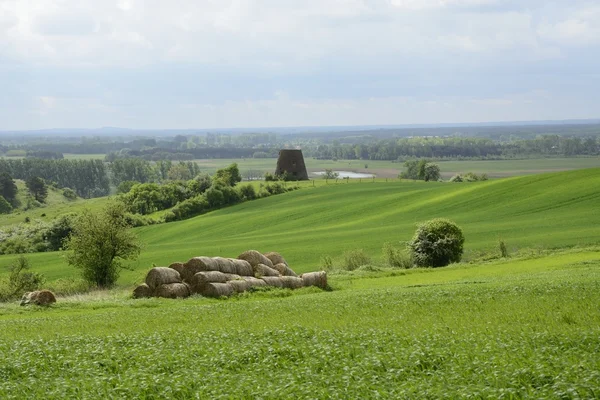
(348, 174)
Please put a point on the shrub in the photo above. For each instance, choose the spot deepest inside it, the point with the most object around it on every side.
(502, 247)
(247, 192)
(437, 243)
(456, 178)
(69, 194)
(20, 280)
(5, 207)
(269, 177)
(327, 263)
(354, 259)
(396, 257)
(275, 188)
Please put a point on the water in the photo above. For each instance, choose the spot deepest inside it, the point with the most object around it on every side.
(349, 174)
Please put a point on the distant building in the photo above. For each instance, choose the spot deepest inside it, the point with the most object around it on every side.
(292, 162)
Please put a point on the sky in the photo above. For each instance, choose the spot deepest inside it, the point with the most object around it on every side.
(156, 64)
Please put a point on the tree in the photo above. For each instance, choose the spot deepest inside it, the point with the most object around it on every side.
(437, 243)
(99, 244)
(37, 187)
(8, 188)
(431, 172)
(5, 207)
(229, 176)
(329, 174)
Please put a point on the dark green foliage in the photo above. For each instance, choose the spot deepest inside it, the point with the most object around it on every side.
(214, 197)
(269, 177)
(37, 187)
(99, 244)
(229, 176)
(8, 188)
(431, 172)
(275, 188)
(437, 243)
(502, 247)
(199, 184)
(421, 170)
(20, 280)
(188, 208)
(132, 169)
(247, 192)
(60, 230)
(69, 194)
(5, 207)
(125, 186)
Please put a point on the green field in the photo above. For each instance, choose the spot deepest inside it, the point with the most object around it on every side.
(547, 210)
(524, 328)
(388, 169)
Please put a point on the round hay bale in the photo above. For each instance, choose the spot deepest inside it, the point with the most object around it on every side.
(202, 278)
(284, 270)
(172, 291)
(242, 267)
(318, 279)
(276, 258)
(197, 264)
(217, 290)
(142, 291)
(254, 282)
(292, 282)
(261, 270)
(233, 277)
(177, 266)
(161, 276)
(273, 281)
(255, 258)
(225, 265)
(239, 286)
(39, 297)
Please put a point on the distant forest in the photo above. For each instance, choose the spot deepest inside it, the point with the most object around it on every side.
(470, 142)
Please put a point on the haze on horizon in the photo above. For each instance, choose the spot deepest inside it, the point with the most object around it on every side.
(223, 64)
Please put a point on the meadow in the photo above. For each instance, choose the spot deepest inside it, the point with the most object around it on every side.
(546, 210)
(506, 329)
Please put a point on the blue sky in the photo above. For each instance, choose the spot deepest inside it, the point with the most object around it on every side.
(218, 63)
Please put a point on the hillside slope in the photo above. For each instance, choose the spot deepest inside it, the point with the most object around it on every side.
(554, 210)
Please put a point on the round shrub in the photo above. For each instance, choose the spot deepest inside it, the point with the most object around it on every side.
(437, 243)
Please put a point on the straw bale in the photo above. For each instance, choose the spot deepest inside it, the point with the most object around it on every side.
(39, 297)
(254, 282)
(233, 277)
(292, 282)
(200, 279)
(172, 290)
(161, 276)
(284, 270)
(197, 264)
(177, 266)
(242, 267)
(142, 291)
(261, 270)
(217, 290)
(239, 286)
(273, 281)
(255, 258)
(276, 258)
(318, 279)
(225, 265)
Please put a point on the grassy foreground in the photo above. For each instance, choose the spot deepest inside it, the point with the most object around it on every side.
(525, 328)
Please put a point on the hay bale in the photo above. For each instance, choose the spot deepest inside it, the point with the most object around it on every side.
(242, 267)
(255, 258)
(254, 282)
(195, 265)
(292, 282)
(239, 286)
(273, 281)
(284, 270)
(161, 276)
(142, 291)
(177, 266)
(39, 298)
(261, 270)
(225, 265)
(276, 258)
(318, 279)
(217, 290)
(233, 277)
(172, 291)
(202, 278)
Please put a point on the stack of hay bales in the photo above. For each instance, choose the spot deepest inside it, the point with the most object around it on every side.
(219, 276)
(39, 297)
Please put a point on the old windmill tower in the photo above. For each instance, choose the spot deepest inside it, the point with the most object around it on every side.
(292, 162)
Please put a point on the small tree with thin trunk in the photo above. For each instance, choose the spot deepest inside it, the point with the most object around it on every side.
(99, 244)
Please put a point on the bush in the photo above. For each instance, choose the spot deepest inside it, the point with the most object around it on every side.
(354, 259)
(396, 257)
(21, 280)
(247, 192)
(437, 243)
(5, 207)
(456, 178)
(69, 194)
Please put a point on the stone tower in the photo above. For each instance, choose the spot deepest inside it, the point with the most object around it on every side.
(292, 162)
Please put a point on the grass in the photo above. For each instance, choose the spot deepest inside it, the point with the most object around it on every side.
(516, 328)
(549, 210)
